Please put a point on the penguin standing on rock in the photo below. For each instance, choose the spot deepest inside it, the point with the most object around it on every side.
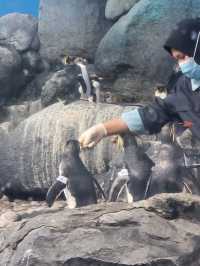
(135, 173)
(74, 180)
(167, 174)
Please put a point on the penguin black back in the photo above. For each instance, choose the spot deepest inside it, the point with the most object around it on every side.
(81, 182)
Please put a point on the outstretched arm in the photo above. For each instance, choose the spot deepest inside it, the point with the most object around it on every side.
(129, 121)
(144, 120)
(115, 126)
(93, 135)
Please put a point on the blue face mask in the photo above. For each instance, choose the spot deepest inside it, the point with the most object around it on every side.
(190, 69)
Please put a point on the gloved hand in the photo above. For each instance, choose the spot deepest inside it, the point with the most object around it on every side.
(92, 136)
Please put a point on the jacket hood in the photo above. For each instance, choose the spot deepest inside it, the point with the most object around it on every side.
(184, 38)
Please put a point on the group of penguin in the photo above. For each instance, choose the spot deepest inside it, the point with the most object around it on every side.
(135, 175)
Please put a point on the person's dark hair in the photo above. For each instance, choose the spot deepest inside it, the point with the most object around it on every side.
(184, 38)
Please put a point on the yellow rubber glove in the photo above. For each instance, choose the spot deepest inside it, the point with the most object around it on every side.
(92, 136)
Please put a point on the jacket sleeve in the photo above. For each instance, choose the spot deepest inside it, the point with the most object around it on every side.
(156, 115)
(133, 121)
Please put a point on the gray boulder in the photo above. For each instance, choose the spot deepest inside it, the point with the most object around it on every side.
(135, 41)
(128, 88)
(32, 61)
(20, 59)
(30, 156)
(117, 8)
(11, 74)
(34, 148)
(13, 115)
(105, 234)
(20, 30)
(32, 65)
(63, 84)
(71, 27)
(36, 77)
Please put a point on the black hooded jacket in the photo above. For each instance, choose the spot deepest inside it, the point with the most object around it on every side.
(182, 104)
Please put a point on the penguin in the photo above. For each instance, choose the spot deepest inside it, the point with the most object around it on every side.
(135, 171)
(74, 179)
(167, 174)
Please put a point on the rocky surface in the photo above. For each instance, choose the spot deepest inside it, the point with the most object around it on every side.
(32, 151)
(162, 231)
(127, 50)
(12, 115)
(19, 52)
(78, 31)
(20, 30)
(11, 75)
(31, 148)
(12, 211)
(135, 43)
(32, 63)
(114, 9)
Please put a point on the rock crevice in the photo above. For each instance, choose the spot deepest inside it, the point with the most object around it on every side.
(107, 234)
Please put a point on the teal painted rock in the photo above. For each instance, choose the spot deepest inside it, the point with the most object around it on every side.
(135, 42)
(116, 8)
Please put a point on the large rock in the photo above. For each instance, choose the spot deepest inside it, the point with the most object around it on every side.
(71, 27)
(20, 30)
(34, 148)
(135, 42)
(32, 62)
(116, 8)
(19, 52)
(119, 234)
(11, 74)
(34, 87)
(30, 153)
(14, 114)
